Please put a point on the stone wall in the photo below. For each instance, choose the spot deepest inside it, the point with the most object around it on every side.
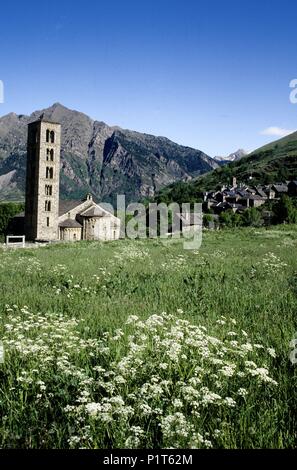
(101, 228)
(70, 234)
(43, 177)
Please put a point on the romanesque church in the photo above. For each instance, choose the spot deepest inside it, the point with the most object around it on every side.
(47, 217)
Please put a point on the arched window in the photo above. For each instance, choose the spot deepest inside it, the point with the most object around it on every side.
(52, 137)
(48, 135)
(47, 154)
(49, 173)
(52, 155)
(47, 206)
(48, 190)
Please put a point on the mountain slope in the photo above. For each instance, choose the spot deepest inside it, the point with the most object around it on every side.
(274, 162)
(98, 158)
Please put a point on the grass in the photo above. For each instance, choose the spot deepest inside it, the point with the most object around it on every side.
(76, 375)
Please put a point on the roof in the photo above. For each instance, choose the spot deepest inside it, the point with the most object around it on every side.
(67, 205)
(95, 211)
(44, 118)
(243, 193)
(261, 193)
(253, 197)
(70, 223)
(280, 188)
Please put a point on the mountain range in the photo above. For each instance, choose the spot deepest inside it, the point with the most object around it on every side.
(233, 157)
(97, 158)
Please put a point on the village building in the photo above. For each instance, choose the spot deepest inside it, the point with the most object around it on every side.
(47, 217)
(280, 189)
(239, 197)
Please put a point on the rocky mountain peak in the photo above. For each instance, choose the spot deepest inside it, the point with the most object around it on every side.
(97, 158)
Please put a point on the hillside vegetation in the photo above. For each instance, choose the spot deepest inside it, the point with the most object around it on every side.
(270, 164)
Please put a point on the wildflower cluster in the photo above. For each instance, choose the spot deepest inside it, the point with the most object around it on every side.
(172, 378)
(174, 262)
(29, 264)
(46, 343)
(71, 288)
(271, 263)
(131, 253)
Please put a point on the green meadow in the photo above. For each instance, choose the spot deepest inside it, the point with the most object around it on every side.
(145, 344)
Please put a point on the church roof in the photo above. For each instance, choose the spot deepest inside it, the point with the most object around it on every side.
(67, 205)
(95, 211)
(43, 117)
(70, 223)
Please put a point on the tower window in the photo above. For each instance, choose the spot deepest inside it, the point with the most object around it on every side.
(48, 190)
(52, 137)
(49, 173)
(50, 155)
(48, 135)
(47, 206)
(47, 221)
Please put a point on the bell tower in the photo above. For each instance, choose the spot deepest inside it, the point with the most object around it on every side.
(42, 180)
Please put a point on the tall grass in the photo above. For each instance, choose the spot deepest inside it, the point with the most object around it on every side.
(76, 374)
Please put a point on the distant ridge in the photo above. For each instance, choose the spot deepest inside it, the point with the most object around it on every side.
(233, 157)
(97, 158)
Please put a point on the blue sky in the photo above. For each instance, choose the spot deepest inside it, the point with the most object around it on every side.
(213, 75)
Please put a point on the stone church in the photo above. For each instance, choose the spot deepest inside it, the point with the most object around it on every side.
(47, 217)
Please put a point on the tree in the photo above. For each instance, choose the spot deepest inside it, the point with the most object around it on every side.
(229, 219)
(7, 212)
(285, 210)
(251, 217)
